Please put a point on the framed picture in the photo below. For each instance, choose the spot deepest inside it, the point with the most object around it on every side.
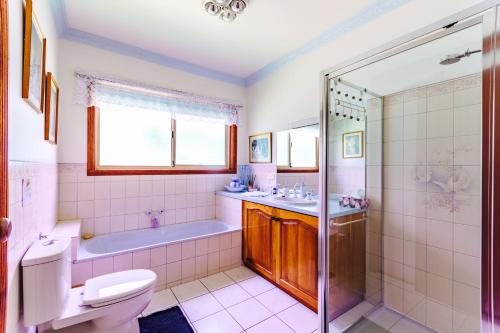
(51, 109)
(260, 148)
(352, 145)
(33, 82)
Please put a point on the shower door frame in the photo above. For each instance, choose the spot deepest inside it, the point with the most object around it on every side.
(487, 14)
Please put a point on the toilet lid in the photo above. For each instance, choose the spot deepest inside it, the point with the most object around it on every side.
(115, 286)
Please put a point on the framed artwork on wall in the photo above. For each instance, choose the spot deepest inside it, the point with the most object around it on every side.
(51, 109)
(260, 148)
(352, 145)
(33, 83)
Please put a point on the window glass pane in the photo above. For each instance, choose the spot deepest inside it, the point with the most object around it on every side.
(304, 148)
(130, 136)
(282, 148)
(200, 141)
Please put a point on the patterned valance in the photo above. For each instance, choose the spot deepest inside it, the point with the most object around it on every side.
(96, 90)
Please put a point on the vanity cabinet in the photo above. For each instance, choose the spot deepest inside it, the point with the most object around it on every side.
(258, 236)
(283, 247)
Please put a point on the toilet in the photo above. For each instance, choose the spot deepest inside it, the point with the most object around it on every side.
(108, 303)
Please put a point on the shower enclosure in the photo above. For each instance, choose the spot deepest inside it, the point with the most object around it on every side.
(409, 127)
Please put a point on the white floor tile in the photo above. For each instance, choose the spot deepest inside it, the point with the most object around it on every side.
(189, 290)
(384, 317)
(271, 325)
(201, 307)
(216, 281)
(161, 300)
(240, 273)
(276, 300)
(221, 322)
(332, 329)
(407, 326)
(256, 285)
(231, 295)
(249, 313)
(344, 321)
(360, 309)
(300, 318)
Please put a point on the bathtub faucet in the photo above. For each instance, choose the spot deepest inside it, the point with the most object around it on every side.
(154, 217)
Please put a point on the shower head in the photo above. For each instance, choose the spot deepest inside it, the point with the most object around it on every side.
(454, 58)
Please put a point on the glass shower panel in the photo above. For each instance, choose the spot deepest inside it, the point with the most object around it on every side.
(407, 128)
(354, 160)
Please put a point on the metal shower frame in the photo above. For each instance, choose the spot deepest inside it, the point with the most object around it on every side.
(485, 13)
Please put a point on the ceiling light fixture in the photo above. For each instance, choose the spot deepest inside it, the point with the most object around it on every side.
(227, 10)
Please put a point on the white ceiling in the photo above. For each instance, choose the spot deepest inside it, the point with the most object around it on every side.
(420, 66)
(266, 31)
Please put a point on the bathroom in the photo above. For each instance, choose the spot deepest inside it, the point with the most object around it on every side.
(339, 179)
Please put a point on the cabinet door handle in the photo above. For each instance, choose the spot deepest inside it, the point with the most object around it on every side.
(290, 223)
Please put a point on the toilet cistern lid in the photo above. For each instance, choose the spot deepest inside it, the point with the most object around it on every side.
(117, 285)
(46, 250)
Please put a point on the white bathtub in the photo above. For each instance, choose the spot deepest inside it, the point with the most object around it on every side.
(135, 240)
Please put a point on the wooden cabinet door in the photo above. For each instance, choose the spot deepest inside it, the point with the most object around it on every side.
(258, 239)
(297, 261)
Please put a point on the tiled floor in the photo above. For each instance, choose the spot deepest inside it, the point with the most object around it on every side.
(240, 301)
(236, 301)
(387, 319)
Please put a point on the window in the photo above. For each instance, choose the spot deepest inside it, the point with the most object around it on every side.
(297, 149)
(134, 140)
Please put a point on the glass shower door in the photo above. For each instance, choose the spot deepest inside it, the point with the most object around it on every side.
(406, 128)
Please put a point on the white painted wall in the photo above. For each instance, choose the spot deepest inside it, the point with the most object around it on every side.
(293, 92)
(26, 127)
(73, 118)
(28, 147)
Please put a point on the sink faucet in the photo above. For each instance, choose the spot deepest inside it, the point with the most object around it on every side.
(301, 193)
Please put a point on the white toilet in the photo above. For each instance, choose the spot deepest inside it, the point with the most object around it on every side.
(106, 304)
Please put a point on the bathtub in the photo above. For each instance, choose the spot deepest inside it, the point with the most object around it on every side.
(136, 240)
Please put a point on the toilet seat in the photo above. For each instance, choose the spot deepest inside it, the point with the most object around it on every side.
(116, 287)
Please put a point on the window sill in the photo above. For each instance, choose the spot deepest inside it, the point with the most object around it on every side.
(150, 172)
(284, 170)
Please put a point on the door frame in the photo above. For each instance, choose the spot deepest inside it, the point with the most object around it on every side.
(4, 160)
(488, 15)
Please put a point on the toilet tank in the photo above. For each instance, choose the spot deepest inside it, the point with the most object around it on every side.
(46, 279)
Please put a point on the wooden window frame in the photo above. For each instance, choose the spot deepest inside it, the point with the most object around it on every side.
(93, 169)
(290, 168)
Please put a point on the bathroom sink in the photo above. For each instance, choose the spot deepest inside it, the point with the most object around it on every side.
(296, 201)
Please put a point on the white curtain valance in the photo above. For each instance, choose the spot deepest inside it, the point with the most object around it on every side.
(95, 90)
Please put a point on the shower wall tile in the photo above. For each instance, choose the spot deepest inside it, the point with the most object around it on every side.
(432, 204)
(118, 203)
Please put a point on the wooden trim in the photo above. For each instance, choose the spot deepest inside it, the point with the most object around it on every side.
(30, 18)
(48, 95)
(296, 170)
(93, 170)
(490, 252)
(4, 179)
(91, 152)
(233, 147)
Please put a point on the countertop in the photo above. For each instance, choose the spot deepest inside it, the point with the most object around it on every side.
(334, 210)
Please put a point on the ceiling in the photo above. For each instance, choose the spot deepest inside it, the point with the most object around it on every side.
(420, 66)
(181, 29)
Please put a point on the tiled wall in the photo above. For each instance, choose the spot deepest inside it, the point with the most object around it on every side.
(37, 214)
(310, 180)
(173, 264)
(265, 176)
(119, 203)
(432, 232)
